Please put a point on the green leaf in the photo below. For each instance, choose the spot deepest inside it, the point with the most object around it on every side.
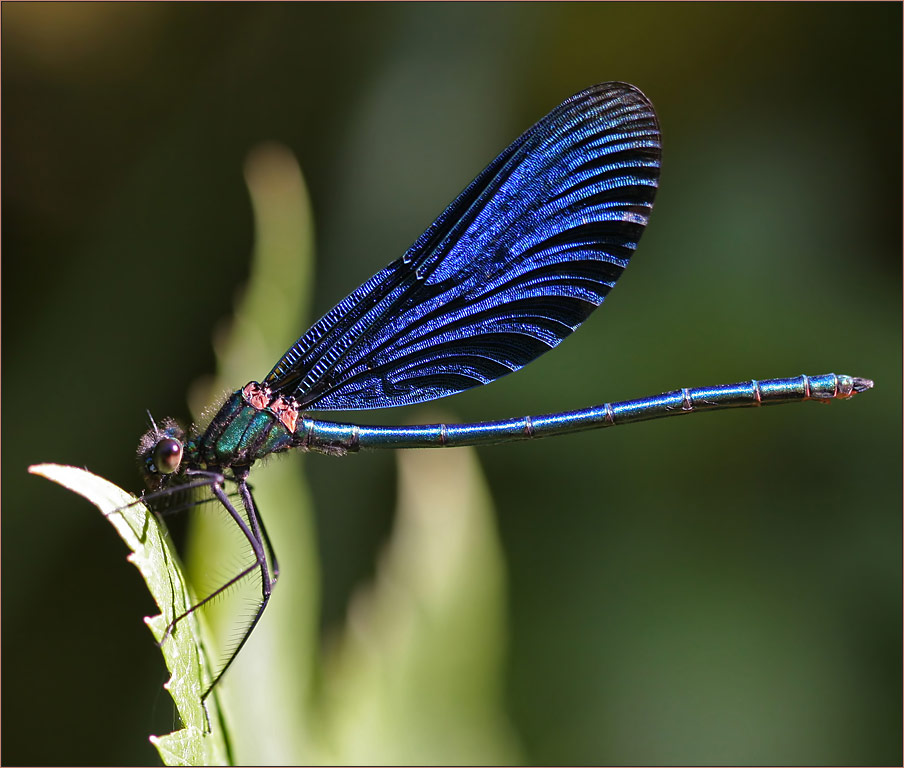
(200, 742)
(416, 677)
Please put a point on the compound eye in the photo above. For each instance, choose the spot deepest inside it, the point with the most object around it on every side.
(167, 455)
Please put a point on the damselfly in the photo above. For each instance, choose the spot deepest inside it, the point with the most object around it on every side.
(516, 263)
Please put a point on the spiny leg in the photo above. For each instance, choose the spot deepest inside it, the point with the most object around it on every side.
(168, 493)
(213, 480)
(257, 537)
(209, 479)
(258, 520)
(255, 546)
(192, 504)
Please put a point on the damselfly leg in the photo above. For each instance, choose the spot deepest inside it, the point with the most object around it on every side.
(181, 498)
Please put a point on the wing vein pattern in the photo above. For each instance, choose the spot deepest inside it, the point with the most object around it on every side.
(516, 263)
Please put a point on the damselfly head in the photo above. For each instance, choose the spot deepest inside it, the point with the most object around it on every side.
(160, 453)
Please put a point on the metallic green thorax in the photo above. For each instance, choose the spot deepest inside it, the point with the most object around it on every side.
(241, 433)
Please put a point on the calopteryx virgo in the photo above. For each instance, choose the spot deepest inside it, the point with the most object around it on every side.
(515, 264)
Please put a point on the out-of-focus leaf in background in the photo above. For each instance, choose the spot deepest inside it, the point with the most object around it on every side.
(417, 674)
(266, 693)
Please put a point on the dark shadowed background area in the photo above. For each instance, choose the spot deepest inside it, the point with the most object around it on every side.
(719, 589)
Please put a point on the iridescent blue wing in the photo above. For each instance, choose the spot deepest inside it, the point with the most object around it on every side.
(509, 269)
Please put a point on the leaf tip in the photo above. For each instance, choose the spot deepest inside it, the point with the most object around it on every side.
(43, 470)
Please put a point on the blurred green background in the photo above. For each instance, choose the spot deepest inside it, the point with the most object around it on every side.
(721, 589)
